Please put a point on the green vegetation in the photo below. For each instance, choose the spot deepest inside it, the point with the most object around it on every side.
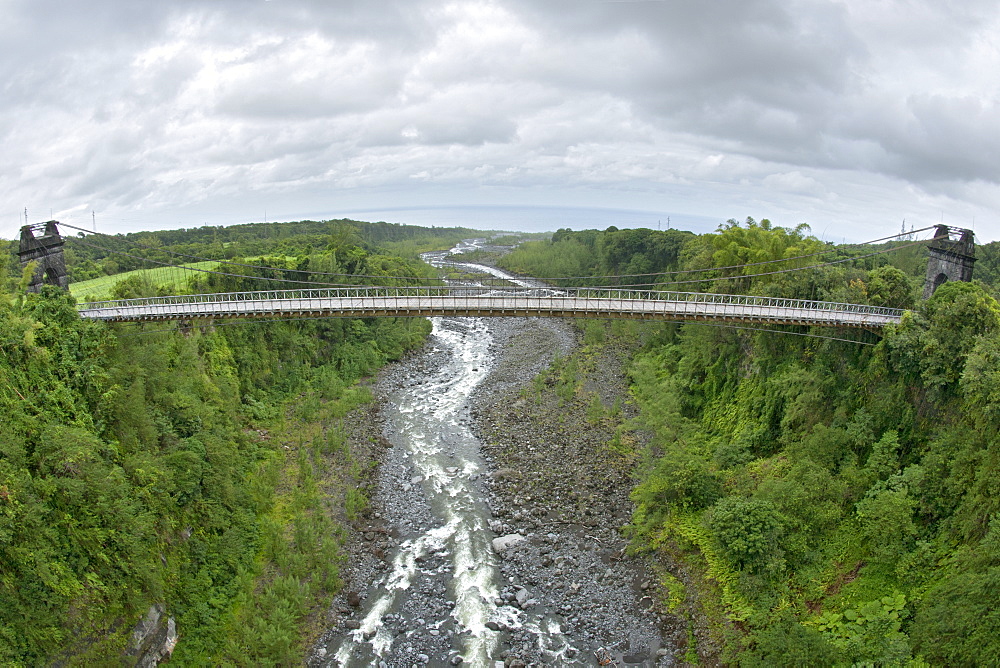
(831, 503)
(90, 257)
(592, 253)
(205, 469)
(170, 279)
(293, 255)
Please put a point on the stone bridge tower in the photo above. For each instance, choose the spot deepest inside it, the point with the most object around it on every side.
(47, 250)
(952, 254)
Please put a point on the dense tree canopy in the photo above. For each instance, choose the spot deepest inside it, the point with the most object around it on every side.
(134, 468)
(842, 501)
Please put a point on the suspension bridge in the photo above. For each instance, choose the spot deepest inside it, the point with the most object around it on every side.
(951, 252)
(369, 302)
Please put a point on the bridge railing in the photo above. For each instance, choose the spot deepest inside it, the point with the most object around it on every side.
(479, 291)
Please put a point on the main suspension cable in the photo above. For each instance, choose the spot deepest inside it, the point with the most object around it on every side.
(559, 278)
(618, 286)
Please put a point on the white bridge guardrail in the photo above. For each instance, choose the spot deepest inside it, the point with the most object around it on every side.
(478, 301)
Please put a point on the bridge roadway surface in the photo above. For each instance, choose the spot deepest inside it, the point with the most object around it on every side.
(438, 301)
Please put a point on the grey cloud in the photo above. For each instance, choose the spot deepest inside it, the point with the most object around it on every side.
(941, 138)
(765, 75)
(457, 128)
(160, 82)
(642, 98)
(357, 79)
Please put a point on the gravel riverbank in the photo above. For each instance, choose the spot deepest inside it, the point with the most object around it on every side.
(557, 482)
(558, 495)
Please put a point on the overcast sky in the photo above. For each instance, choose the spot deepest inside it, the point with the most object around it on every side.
(850, 116)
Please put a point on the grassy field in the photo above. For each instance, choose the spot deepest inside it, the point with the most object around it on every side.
(100, 288)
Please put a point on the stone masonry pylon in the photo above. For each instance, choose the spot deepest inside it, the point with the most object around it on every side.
(47, 251)
(952, 254)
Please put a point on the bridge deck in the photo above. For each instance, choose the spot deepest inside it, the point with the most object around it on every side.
(582, 303)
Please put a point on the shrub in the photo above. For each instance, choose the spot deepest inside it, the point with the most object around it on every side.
(679, 479)
(748, 531)
(787, 643)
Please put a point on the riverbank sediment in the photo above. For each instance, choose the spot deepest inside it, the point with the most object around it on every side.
(562, 478)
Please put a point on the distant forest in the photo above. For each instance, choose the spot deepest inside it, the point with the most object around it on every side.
(92, 256)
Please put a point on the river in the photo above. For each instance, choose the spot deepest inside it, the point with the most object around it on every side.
(443, 595)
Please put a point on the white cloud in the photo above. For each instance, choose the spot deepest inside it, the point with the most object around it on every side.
(794, 182)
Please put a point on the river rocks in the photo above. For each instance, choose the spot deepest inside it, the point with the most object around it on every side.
(554, 483)
(504, 542)
(632, 659)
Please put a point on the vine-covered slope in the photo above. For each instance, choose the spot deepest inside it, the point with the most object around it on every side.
(823, 502)
(199, 468)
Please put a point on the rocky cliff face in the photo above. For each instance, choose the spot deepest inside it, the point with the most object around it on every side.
(153, 638)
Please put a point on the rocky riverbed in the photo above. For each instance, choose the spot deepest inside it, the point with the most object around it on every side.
(558, 483)
(563, 589)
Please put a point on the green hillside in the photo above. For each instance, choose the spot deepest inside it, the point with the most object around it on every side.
(813, 502)
(173, 279)
(203, 470)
